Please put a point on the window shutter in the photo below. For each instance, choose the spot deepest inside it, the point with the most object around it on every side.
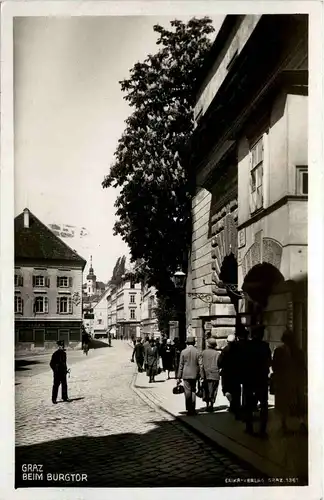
(70, 282)
(58, 304)
(34, 281)
(47, 282)
(70, 305)
(34, 307)
(22, 306)
(57, 281)
(46, 304)
(21, 280)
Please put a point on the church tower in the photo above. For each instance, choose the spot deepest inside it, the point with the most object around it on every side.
(91, 280)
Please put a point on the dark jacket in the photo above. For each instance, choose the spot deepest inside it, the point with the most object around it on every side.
(209, 368)
(58, 361)
(257, 362)
(138, 352)
(189, 366)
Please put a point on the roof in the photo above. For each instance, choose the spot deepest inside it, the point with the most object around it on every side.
(223, 34)
(38, 242)
(100, 284)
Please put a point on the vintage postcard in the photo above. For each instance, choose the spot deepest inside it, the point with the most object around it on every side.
(159, 272)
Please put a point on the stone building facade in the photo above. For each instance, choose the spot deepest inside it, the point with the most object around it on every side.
(48, 287)
(249, 154)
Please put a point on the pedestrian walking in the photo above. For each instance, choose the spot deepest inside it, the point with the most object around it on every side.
(151, 361)
(209, 373)
(162, 352)
(138, 354)
(229, 369)
(242, 338)
(289, 381)
(176, 352)
(59, 367)
(168, 357)
(256, 368)
(189, 370)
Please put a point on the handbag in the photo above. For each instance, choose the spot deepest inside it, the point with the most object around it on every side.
(178, 389)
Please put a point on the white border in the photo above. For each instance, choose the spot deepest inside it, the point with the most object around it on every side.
(316, 226)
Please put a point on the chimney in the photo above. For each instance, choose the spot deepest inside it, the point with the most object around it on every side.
(26, 218)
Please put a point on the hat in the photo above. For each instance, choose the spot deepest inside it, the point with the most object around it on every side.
(231, 337)
(212, 342)
(60, 343)
(190, 339)
(168, 341)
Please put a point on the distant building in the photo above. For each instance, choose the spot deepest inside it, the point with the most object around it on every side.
(93, 287)
(149, 323)
(100, 315)
(48, 286)
(124, 308)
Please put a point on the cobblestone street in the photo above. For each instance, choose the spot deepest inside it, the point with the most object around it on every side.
(108, 433)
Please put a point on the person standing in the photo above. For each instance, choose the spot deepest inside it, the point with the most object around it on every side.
(229, 369)
(256, 368)
(138, 354)
(289, 378)
(59, 367)
(209, 372)
(151, 361)
(189, 370)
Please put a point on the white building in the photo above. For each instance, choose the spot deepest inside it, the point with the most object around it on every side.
(149, 323)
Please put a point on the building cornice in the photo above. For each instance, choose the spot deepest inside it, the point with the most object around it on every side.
(272, 208)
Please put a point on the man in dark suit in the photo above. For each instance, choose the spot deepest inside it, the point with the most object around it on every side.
(59, 367)
(189, 369)
(257, 362)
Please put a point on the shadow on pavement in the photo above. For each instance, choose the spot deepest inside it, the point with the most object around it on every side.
(97, 344)
(163, 457)
(70, 400)
(22, 364)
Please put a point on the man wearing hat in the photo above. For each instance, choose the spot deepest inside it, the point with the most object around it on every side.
(209, 372)
(58, 365)
(189, 369)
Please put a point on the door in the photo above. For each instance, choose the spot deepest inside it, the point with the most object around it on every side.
(39, 337)
(64, 335)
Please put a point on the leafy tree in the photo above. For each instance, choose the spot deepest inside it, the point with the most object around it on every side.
(154, 205)
(118, 271)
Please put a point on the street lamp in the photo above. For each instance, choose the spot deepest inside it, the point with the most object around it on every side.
(179, 279)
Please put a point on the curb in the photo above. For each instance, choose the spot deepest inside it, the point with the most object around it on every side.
(243, 455)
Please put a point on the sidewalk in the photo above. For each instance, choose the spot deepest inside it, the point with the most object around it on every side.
(278, 457)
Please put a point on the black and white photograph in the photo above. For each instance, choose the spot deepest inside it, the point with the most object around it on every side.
(160, 296)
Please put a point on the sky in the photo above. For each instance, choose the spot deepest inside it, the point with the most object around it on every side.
(69, 113)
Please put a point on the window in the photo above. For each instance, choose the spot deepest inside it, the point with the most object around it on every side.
(256, 177)
(41, 305)
(26, 335)
(132, 283)
(132, 314)
(19, 280)
(40, 282)
(19, 304)
(64, 305)
(64, 282)
(132, 299)
(99, 321)
(302, 180)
